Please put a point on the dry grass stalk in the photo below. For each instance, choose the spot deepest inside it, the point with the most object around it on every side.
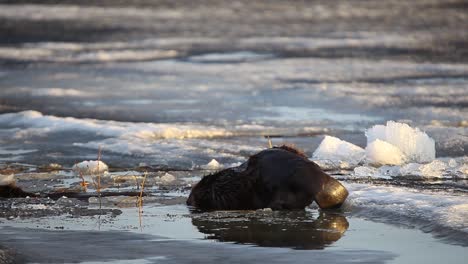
(140, 197)
(270, 145)
(99, 178)
(140, 200)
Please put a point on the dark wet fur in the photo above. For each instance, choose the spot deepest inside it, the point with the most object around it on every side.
(12, 191)
(277, 178)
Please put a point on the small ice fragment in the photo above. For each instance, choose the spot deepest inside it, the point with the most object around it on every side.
(64, 201)
(416, 145)
(452, 163)
(332, 148)
(390, 171)
(7, 179)
(234, 164)
(380, 152)
(96, 200)
(212, 165)
(333, 164)
(90, 167)
(434, 169)
(167, 178)
(364, 171)
(36, 206)
(461, 171)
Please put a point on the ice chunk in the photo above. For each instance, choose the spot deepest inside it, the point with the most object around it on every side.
(332, 148)
(452, 163)
(389, 171)
(365, 171)
(333, 164)
(383, 153)
(7, 179)
(167, 178)
(36, 207)
(416, 145)
(434, 169)
(461, 171)
(424, 206)
(90, 167)
(212, 165)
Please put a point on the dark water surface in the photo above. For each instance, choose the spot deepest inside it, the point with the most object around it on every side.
(170, 235)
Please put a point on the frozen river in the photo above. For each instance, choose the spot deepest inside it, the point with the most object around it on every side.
(172, 85)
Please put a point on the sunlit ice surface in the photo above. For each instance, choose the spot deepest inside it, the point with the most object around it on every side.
(167, 88)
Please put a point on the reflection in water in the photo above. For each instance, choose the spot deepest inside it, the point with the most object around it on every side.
(295, 229)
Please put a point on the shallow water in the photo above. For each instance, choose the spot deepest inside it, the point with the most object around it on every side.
(173, 234)
(167, 87)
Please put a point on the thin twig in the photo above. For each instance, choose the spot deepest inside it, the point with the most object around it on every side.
(99, 185)
(269, 142)
(140, 200)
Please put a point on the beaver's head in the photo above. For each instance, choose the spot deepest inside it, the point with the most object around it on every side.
(327, 192)
(332, 194)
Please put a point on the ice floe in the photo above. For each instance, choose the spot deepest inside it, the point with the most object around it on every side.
(167, 178)
(27, 124)
(90, 167)
(335, 149)
(435, 169)
(393, 144)
(416, 145)
(441, 209)
(394, 150)
(439, 168)
(37, 123)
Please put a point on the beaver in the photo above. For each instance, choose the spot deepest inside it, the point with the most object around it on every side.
(280, 178)
(13, 191)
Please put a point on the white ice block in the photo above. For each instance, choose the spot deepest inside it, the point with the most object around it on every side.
(335, 149)
(90, 167)
(212, 165)
(416, 145)
(380, 152)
